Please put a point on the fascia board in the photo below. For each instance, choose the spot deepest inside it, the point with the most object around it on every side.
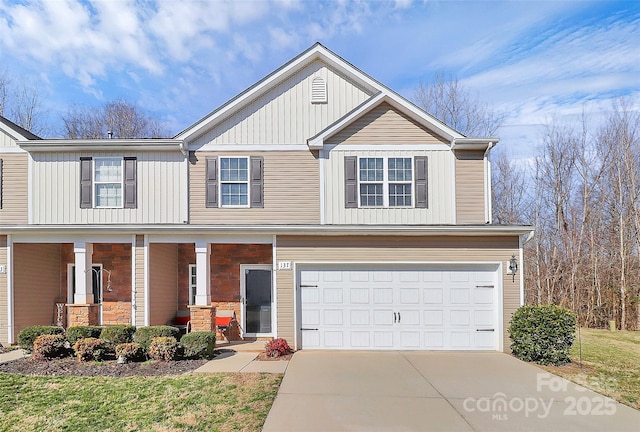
(100, 145)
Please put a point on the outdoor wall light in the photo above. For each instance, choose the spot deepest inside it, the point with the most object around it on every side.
(513, 267)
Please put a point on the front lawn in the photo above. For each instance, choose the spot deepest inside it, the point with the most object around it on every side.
(216, 402)
(611, 364)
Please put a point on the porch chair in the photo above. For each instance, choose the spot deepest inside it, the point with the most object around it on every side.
(182, 321)
(225, 319)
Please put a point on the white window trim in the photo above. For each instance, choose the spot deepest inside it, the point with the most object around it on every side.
(94, 194)
(221, 182)
(385, 182)
(192, 284)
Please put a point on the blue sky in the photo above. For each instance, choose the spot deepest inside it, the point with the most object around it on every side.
(534, 60)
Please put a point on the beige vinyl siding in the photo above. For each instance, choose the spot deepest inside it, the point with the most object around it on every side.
(4, 317)
(161, 190)
(291, 191)
(440, 186)
(285, 114)
(470, 193)
(385, 125)
(163, 282)
(37, 285)
(391, 249)
(15, 185)
(139, 281)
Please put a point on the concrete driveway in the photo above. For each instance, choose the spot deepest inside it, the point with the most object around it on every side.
(435, 391)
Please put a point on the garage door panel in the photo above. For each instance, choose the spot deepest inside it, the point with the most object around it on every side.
(436, 309)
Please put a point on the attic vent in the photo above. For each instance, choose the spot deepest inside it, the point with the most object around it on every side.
(318, 90)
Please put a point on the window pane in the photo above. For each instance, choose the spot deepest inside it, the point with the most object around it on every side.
(371, 169)
(108, 170)
(399, 169)
(234, 194)
(233, 169)
(108, 195)
(400, 195)
(371, 195)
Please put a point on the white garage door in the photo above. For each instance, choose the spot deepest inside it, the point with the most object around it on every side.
(399, 309)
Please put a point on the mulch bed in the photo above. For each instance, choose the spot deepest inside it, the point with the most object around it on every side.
(263, 357)
(72, 367)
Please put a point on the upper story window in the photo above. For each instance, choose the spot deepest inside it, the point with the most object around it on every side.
(386, 182)
(108, 182)
(234, 181)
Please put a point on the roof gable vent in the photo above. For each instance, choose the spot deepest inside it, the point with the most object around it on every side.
(318, 91)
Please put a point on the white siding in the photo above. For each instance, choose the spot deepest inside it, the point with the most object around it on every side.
(285, 114)
(440, 188)
(162, 186)
(6, 141)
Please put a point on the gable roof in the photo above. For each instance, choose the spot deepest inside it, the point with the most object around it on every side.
(16, 132)
(320, 52)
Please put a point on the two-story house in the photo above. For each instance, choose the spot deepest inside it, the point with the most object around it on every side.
(319, 205)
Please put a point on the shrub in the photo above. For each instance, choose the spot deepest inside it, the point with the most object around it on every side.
(163, 348)
(129, 352)
(144, 335)
(48, 346)
(117, 334)
(198, 344)
(277, 348)
(76, 332)
(28, 335)
(542, 334)
(88, 349)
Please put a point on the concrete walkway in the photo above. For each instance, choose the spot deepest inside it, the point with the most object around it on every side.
(241, 357)
(435, 391)
(11, 355)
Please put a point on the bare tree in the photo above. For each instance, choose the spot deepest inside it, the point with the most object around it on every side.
(450, 102)
(119, 118)
(509, 191)
(23, 104)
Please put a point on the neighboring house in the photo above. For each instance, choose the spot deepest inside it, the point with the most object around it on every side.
(320, 205)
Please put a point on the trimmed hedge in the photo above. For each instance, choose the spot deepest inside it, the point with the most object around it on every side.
(144, 335)
(77, 332)
(129, 352)
(118, 334)
(198, 344)
(163, 348)
(28, 335)
(47, 347)
(88, 349)
(542, 334)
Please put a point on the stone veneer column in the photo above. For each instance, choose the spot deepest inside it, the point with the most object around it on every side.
(82, 315)
(203, 318)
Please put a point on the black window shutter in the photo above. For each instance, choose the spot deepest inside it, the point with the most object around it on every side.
(130, 182)
(421, 182)
(211, 182)
(257, 181)
(86, 175)
(351, 182)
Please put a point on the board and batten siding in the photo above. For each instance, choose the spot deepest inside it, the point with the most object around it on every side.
(440, 186)
(363, 249)
(163, 282)
(4, 301)
(291, 190)
(15, 186)
(285, 114)
(36, 284)
(7, 141)
(161, 190)
(139, 281)
(470, 193)
(384, 125)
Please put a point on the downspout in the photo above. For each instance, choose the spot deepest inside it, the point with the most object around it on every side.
(487, 184)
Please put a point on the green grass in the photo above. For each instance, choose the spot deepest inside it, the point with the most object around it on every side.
(216, 402)
(610, 364)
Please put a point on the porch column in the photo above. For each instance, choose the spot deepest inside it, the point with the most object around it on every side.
(203, 290)
(84, 273)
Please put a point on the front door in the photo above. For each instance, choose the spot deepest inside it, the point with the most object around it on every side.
(257, 296)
